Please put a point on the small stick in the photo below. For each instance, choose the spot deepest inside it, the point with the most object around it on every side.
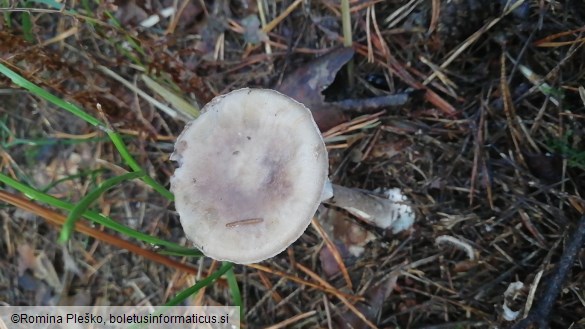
(249, 221)
(539, 316)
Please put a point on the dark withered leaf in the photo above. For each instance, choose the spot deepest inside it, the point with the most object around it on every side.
(328, 263)
(371, 307)
(308, 81)
(548, 167)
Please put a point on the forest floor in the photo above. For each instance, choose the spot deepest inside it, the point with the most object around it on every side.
(474, 109)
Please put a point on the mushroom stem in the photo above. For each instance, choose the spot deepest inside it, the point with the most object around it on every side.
(385, 213)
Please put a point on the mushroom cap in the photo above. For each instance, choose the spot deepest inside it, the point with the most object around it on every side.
(251, 172)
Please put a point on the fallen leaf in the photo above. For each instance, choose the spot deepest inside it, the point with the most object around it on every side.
(328, 25)
(27, 282)
(45, 271)
(548, 166)
(61, 168)
(129, 13)
(328, 263)
(192, 14)
(40, 265)
(371, 307)
(307, 83)
(253, 30)
(210, 33)
(351, 236)
(26, 258)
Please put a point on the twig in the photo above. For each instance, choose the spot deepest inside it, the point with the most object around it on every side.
(540, 314)
(58, 219)
(373, 104)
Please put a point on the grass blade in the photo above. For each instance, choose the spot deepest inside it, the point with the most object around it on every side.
(180, 297)
(86, 201)
(96, 217)
(235, 290)
(75, 110)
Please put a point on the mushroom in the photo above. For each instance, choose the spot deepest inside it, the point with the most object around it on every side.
(252, 171)
(391, 212)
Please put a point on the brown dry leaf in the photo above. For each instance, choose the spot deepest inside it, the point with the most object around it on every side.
(40, 265)
(210, 33)
(329, 264)
(349, 237)
(26, 258)
(61, 168)
(11, 45)
(354, 236)
(371, 307)
(129, 13)
(132, 12)
(548, 167)
(328, 25)
(391, 148)
(192, 14)
(465, 265)
(253, 30)
(577, 203)
(348, 233)
(45, 271)
(307, 82)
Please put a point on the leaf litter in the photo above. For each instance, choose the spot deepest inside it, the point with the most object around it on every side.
(496, 86)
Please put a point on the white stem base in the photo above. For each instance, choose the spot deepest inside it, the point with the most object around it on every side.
(391, 213)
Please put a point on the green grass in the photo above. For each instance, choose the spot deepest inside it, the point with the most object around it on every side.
(575, 158)
(180, 297)
(86, 201)
(81, 208)
(7, 15)
(235, 291)
(27, 26)
(115, 138)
